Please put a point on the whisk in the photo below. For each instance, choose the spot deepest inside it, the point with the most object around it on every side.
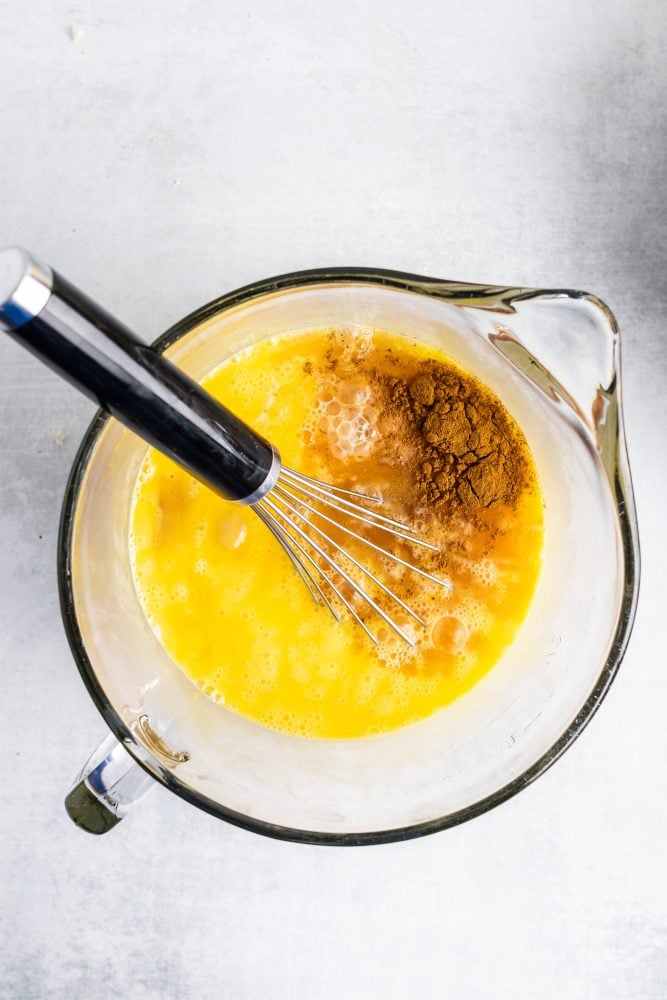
(169, 410)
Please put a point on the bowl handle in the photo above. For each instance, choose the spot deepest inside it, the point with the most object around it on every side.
(109, 782)
(567, 344)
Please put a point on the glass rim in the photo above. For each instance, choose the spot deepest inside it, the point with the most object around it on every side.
(491, 297)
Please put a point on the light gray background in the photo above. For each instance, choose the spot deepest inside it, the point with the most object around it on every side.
(175, 149)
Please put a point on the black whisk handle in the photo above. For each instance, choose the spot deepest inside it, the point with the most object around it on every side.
(131, 381)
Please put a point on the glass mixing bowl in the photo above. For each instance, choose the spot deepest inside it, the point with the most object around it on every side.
(552, 356)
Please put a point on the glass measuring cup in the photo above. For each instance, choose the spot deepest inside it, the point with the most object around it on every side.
(552, 357)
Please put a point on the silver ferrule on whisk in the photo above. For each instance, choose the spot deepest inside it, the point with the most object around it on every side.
(269, 482)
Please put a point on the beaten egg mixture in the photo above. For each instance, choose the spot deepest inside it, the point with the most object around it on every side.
(368, 411)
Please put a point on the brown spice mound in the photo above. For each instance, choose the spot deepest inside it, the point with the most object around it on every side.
(459, 442)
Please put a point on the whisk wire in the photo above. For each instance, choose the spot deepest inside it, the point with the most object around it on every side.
(275, 526)
(328, 581)
(280, 491)
(364, 569)
(321, 487)
(395, 528)
(286, 542)
(310, 486)
(267, 502)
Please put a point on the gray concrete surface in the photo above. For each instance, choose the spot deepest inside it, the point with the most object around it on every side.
(159, 153)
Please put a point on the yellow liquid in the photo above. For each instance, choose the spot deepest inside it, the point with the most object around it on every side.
(226, 604)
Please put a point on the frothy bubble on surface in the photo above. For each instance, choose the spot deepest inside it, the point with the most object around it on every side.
(344, 415)
(485, 570)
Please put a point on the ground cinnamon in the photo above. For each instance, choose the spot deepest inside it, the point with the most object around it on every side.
(460, 447)
(455, 442)
(472, 452)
